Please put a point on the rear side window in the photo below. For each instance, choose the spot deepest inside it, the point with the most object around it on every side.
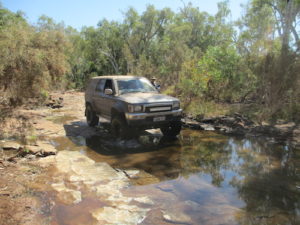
(100, 86)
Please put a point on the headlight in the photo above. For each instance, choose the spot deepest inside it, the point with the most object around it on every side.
(135, 108)
(176, 105)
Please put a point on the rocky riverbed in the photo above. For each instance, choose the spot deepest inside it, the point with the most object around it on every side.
(239, 125)
(63, 172)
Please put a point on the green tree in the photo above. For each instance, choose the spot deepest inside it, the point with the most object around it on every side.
(32, 61)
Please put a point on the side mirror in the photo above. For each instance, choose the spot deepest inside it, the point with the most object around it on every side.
(108, 92)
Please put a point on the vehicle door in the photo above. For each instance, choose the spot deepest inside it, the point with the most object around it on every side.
(99, 97)
(109, 100)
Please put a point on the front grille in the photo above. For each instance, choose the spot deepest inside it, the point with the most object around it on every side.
(158, 108)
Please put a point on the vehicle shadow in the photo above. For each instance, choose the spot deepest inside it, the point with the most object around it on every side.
(150, 152)
(100, 140)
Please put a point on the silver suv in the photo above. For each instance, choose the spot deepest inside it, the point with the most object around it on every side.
(131, 104)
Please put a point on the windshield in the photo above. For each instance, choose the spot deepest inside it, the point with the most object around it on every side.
(135, 85)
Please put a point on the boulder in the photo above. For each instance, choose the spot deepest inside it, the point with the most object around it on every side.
(54, 103)
(10, 145)
(296, 136)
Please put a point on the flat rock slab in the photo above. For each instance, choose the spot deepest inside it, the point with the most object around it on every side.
(296, 136)
(76, 174)
(67, 195)
(10, 145)
(42, 148)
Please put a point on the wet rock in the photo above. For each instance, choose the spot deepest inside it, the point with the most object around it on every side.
(66, 195)
(221, 214)
(122, 215)
(166, 187)
(131, 173)
(296, 136)
(285, 129)
(144, 200)
(176, 217)
(280, 132)
(10, 145)
(207, 127)
(46, 161)
(208, 120)
(144, 178)
(192, 124)
(238, 124)
(41, 149)
(80, 172)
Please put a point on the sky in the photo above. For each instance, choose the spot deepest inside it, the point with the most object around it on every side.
(79, 13)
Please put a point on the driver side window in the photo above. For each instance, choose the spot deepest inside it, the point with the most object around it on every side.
(109, 85)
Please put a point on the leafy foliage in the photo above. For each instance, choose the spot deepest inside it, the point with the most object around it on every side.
(193, 54)
(31, 61)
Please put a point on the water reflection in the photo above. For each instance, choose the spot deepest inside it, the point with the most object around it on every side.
(263, 175)
(212, 178)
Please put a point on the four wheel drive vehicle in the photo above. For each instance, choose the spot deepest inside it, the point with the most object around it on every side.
(131, 104)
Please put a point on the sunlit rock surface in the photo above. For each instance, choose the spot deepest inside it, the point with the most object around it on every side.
(66, 195)
(41, 148)
(128, 215)
(9, 145)
(81, 173)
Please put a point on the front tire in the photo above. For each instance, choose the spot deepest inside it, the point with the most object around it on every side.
(91, 118)
(172, 129)
(120, 128)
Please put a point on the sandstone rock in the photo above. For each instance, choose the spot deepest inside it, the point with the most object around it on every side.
(144, 178)
(66, 195)
(144, 200)
(41, 149)
(54, 103)
(106, 183)
(46, 161)
(238, 124)
(176, 217)
(285, 129)
(131, 173)
(128, 215)
(207, 127)
(192, 124)
(10, 145)
(296, 136)
(208, 120)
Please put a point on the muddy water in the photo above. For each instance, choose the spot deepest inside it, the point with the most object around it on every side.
(200, 178)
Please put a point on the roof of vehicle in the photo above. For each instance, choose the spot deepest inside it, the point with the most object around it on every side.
(116, 77)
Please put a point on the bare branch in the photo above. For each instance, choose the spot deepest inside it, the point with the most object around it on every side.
(111, 59)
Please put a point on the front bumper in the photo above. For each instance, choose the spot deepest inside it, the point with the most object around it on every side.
(142, 116)
(146, 120)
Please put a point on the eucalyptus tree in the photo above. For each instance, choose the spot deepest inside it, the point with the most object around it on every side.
(269, 42)
(32, 60)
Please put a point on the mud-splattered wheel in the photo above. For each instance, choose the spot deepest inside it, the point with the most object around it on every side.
(91, 118)
(172, 129)
(120, 128)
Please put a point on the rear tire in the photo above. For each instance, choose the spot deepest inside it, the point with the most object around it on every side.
(91, 118)
(120, 128)
(172, 129)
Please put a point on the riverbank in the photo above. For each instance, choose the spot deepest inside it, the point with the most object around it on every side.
(239, 125)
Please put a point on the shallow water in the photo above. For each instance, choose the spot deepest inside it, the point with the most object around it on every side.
(203, 177)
